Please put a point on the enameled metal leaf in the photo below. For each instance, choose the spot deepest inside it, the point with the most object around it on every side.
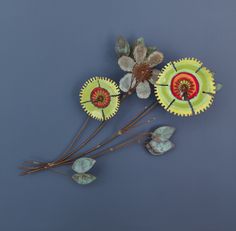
(163, 133)
(82, 165)
(219, 86)
(159, 148)
(122, 47)
(83, 178)
(139, 41)
(150, 50)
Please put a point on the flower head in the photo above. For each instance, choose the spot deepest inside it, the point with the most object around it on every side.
(140, 67)
(99, 97)
(185, 87)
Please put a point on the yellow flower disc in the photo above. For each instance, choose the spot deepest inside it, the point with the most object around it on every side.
(100, 98)
(185, 87)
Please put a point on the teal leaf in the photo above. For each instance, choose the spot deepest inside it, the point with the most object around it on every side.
(159, 148)
(82, 165)
(122, 47)
(219, 86)
(163, 133)
(150, 50)
(83, 178)
(137, 42)
(140, 41)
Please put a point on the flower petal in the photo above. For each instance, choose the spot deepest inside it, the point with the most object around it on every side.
(125, 82)
(140, 52)
(126, 63)
(155, 58)
(143, 90)
(154, 76)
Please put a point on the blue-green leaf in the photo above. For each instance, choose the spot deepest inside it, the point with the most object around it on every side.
(122, 47)
(140, 41)
(219, 86)
(159, 148)
(83, 178)
(82, 165)
(163, 133)
(150, 50)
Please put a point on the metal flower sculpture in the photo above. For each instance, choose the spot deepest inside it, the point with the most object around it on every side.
(183, 87)
(99, 98)
(140, 65)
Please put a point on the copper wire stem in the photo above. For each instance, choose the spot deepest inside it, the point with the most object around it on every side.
(66, 157)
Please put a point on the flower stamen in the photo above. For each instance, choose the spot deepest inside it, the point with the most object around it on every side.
(100, 97)
(142, 72)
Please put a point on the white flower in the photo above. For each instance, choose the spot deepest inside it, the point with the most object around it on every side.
(140, 70)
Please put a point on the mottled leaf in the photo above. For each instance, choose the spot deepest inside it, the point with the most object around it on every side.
(219, 86)
(82, 165)
(163, 133)
(140, 40)
(122, 47)
(150, 50)
(83, 178)
(159, 148)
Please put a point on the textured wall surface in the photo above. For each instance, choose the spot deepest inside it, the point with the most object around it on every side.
(47, 50)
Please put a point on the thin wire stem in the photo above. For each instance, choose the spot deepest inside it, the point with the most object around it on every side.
(120, 132)
(76, 138)
(116, 147)
(97, 130)
(68, 160)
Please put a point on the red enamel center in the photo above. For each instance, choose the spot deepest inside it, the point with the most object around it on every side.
(184, 84)
(100, 97)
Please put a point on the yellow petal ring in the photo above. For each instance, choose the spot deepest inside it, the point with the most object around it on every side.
(185, 87)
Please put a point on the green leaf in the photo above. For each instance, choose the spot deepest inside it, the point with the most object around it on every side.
(219, 86)
(140, 41)
(159, 148)
(122, 47)
(82, 165)
(150, 50)
(163, 133)
(83, 178)
(137, 42)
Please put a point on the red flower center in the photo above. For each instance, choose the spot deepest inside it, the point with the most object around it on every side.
(100, 97)
(184, 86)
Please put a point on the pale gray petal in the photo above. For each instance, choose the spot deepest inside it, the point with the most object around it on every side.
(125, 82)
(155, 58)
(143, 90)
(140, 52)
(126, 63)
(154, 76)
